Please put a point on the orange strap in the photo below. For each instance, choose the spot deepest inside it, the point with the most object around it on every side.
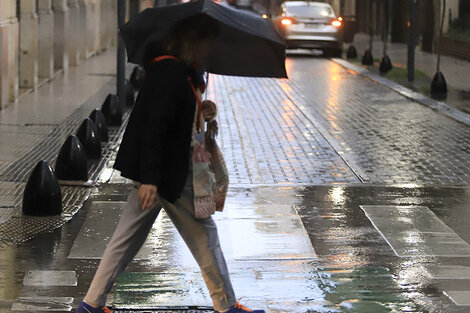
(198, 99)
(164, 57)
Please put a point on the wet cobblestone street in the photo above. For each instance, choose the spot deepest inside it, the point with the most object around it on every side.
(393, 140)
(345, 196)
(267, 140)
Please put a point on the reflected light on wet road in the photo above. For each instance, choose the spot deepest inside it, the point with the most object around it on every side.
(413, 237)
(287, 115)
(337, 196)
(334, 87)
(410, 185)
(289, 63)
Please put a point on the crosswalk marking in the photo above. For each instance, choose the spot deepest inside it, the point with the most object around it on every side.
(47, 304)
(447, 271)
(97, 230)
(415, 231)
(50, 278)
(460, 298)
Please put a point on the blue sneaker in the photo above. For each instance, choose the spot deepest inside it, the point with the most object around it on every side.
(86, 308)
(238, 308)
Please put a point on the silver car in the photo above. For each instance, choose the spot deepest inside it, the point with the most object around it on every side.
(311, 25)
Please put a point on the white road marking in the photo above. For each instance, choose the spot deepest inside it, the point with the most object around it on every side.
(447, 271)
(47, 304)
(97, 230)
(50, 278)
(415, 231)
(460, 298)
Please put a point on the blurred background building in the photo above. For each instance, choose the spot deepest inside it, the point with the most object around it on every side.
(40, 38)
(370, 13)
(370, 16)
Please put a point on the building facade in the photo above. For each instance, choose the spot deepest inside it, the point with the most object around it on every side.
(39, 38)
(371, 16)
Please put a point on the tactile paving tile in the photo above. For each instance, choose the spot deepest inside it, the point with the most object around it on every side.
(16, 228)
(11, 194)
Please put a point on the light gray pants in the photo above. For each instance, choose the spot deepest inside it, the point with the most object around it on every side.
(131, 232)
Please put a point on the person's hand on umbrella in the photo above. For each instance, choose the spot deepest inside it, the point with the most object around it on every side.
(147, 196)
(209, 110)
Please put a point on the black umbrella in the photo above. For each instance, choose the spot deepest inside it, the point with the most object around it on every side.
(247, 45)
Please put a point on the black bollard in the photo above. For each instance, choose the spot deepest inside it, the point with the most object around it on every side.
(351, 53)
(385, 64)
(88, 135)
(439, 86)
(112, 110)
(42, 195)
(137, 78)
(130, 97)
(100, 121)
(367, 58)
(72, 163)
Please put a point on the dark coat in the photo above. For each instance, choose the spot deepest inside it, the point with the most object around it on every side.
(156, 144)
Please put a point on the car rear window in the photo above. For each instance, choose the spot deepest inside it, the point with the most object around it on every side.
(309, 11)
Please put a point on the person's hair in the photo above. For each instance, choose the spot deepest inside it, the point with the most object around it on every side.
(186, 35)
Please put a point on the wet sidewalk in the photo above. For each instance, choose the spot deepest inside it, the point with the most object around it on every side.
(35, 128)
(268, 234)
(455, 70)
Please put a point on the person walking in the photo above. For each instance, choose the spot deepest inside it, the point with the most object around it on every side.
(156, 153)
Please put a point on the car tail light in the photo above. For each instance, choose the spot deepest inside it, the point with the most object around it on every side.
(336, 23)
(287, 21)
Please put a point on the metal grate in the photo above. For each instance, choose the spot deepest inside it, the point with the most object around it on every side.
(16, 228)
(48, 147)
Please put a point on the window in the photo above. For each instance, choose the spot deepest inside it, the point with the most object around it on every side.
(310, 11)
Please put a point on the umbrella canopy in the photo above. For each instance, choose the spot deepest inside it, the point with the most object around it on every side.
(247, 45)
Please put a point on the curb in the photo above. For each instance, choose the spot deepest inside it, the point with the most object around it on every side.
(435, 105)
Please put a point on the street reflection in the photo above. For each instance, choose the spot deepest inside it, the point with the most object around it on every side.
(337, 196)
(268, 235)
(347, 242)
